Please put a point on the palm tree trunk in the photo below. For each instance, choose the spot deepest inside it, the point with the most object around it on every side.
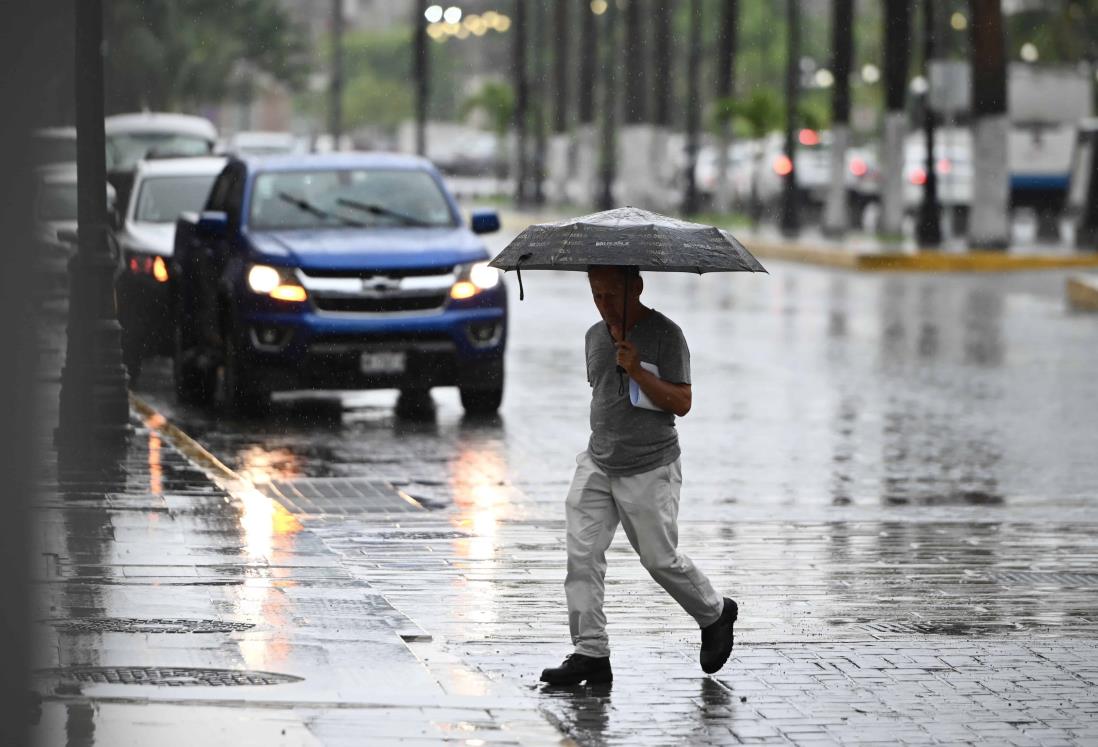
(518, 72)
(635, 63)
(541, 100)
(691, 201)
(989, 224)
(897, 43)
(836, 212)
(608, 160)
(790, 217)
(663, 81)
(561, 35)
(589, 56)
(726, 81)
(421, 74)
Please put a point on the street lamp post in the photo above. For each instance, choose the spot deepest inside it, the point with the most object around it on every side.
(928, 230)
(421, 63)
(94, 407)
(335, 89)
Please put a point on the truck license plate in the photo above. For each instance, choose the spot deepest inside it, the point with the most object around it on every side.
(382, 363)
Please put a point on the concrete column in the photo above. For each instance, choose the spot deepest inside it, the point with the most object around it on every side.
(989, 221)
(635, 167)
(836, 214)
(583, 186)
(892, 173)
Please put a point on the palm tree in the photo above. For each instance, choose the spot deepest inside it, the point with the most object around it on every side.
(608, 160)
(541, 100)
(842, 50)
(897, 44)
(561, 35)
(989, 225)
(420, 63)
(635, 60)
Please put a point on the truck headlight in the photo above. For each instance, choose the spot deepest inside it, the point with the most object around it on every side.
(278, 283)
(474, 278)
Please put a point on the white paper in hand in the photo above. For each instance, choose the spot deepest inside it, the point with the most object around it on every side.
(637, 397)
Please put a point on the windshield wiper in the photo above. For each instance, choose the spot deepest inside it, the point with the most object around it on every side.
(308, 207)
(367, 207)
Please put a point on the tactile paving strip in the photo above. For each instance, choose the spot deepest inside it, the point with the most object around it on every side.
(172, 676)
(141, 625)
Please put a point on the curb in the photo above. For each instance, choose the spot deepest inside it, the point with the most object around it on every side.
(214, 467)
(1082, 292)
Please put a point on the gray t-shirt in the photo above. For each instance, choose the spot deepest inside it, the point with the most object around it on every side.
(628, 440)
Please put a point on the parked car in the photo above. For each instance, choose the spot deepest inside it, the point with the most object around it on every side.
(812, 162)
(136, 137)
(335, 271)
(53, 145)
(162, 190)
(952, 165)
(55, 223)
(259, 143)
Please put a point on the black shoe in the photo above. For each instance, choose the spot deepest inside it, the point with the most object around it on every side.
(578, 668)
(717, 638)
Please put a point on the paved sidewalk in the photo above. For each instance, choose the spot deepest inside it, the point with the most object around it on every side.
(177, 607)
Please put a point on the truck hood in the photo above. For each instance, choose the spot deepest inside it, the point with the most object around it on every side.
(375, 249)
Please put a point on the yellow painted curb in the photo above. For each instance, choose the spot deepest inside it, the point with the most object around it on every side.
(190, 448)
(1082, 293)
(921, 261)
(224, 477)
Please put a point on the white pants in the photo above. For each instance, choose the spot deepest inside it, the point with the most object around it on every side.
(647, 505)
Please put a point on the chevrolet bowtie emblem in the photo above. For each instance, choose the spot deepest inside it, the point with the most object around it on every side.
(380, 283)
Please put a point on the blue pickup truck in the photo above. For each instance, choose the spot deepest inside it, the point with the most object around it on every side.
(339, 271)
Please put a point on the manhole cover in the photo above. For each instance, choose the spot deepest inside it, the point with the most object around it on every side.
(139, 625)
(171, 677)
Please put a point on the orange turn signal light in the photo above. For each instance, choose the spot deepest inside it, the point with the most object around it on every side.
(289, 293)
(463, 289)
(160, 270)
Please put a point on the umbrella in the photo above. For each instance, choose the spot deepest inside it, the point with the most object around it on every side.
(625, 236)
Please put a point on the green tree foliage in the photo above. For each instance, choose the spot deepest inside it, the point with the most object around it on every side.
(179, 54)
(496, 100)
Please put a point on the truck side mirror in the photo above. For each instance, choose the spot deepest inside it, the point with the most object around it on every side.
(213, 222)
(485, 221)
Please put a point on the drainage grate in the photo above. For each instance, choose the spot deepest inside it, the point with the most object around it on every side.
(171, 677)
(140, 625)
(1043, 578)
(339, 495)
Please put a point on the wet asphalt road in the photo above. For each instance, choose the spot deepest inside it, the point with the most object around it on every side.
(893, 473)
(812, 388)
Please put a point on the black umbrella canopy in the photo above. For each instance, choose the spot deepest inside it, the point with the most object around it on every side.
(627, 236)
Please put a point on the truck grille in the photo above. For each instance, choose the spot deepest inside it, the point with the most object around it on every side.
(379, 292)
(349, 305)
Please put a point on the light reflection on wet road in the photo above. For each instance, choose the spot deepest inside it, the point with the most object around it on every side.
(811, 388)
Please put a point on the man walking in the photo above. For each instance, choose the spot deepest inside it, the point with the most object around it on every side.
(631, 473)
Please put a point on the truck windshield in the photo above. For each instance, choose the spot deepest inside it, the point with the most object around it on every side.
(163, 198)
(348, 198)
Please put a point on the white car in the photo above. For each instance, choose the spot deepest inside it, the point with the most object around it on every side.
(162, 189)
(953, 166)
(259, 143)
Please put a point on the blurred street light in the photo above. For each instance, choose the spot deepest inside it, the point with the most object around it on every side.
(433, 14)
(452, 14)
(1029, 52)
(919, 85)
(824, 78)
(598, 7)
(958, 21)
(871, 73)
